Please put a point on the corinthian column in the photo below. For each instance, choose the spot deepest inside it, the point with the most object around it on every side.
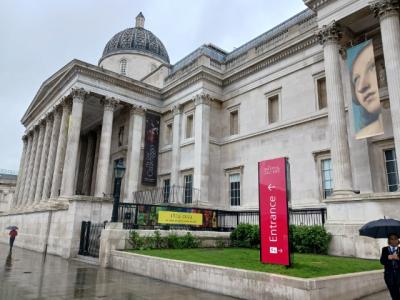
(52, 153)
(21, 196)
(21, 171)
(135, 134)
(388, 13)
(71, 153)
(103, 162)
(61, 146)
(329, 37)
(176, 144)
(43, 159)
(36, 165)
(202, 145)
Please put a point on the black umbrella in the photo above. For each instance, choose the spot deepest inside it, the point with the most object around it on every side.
(381, 228)
(12, 227)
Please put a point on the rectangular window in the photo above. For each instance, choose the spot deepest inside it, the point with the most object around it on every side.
(188, 188)
(189, 126)
(234, 189)
(322, 96)
(391, 170)
(168, 134)
(234, 122)
(326, 175)
(166, 190)
(273, 109)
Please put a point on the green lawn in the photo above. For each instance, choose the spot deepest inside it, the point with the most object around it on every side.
(304, 265)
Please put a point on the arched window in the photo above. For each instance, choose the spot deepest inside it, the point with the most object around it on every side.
(123, 66)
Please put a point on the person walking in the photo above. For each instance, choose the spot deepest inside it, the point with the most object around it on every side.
(390, 260)
(13, 233)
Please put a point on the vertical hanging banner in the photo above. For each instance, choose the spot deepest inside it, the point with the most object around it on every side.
(365, 90)
(150, 157)
(274, 217)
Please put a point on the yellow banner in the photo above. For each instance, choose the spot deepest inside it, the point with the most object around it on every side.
(172, 217)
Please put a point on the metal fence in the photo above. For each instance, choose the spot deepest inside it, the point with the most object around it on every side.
(128, 214)
(168, 195)
(90, 238)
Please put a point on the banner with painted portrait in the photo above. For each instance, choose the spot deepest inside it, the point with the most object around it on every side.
(365, 92)
(150, 157)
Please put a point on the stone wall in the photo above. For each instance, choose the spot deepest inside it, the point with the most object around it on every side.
(249, 284)
(58, 228)
(114, 237)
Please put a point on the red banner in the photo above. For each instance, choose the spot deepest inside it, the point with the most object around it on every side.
(274, 219)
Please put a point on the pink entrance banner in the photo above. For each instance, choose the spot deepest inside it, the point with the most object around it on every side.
(274, 217)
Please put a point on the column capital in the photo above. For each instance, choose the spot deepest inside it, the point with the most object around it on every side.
(78, 94)
(25, 138)
(384, 8)
(202, 99)
(137, 110)
(109, 103)
(176, 109)
(331, 33)
(49, 116)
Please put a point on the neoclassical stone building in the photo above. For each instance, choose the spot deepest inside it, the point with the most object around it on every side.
(286, 93)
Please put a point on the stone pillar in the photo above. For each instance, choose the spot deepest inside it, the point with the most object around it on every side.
(388, 13)
(21, 171)
(36, 165)
(61, 146)
(329, 37)
(176, 144)
(135, 135)
(202, 145)
(87, 175)
(96, 159)
(21, 196)
(52, 153)
(71, 152)
(103, 162)
(43, 159)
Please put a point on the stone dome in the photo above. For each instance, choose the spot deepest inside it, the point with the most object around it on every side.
(134, 40)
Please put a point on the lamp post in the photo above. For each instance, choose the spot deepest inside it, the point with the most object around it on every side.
(119, 171)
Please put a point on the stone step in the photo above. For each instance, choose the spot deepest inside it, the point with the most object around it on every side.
(87, 259)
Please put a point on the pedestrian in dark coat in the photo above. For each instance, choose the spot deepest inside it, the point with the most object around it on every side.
(13, 233)
(390, 259)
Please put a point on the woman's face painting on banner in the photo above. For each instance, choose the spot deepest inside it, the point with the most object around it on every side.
(365, 90)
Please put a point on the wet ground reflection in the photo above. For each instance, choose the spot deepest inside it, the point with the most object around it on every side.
(30, 275)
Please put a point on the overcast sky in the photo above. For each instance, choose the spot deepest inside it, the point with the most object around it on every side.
(38, 37)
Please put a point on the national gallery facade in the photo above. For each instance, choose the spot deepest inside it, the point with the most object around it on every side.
(200, 126)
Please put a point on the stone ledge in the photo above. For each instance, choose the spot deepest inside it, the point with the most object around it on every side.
(249, 284)
(364, 197)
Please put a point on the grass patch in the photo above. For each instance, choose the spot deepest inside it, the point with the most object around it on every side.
(304, 266)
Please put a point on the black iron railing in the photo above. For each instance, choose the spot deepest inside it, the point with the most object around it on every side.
(144, 216)
(164, 195)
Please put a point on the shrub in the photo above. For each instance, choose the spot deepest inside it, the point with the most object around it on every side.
(156, 241)
(310, 239)
(245, 235)
(135, 240)
(303, 239)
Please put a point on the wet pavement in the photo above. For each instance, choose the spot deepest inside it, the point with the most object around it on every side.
(26, 274)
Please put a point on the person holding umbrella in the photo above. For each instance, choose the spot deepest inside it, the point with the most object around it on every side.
(13, 233)
(391, 262)
(390, 255)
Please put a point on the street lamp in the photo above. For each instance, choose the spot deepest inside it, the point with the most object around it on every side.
(119, 171)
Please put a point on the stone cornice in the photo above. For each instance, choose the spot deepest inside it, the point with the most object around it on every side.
(275, 58)
(316, 4)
